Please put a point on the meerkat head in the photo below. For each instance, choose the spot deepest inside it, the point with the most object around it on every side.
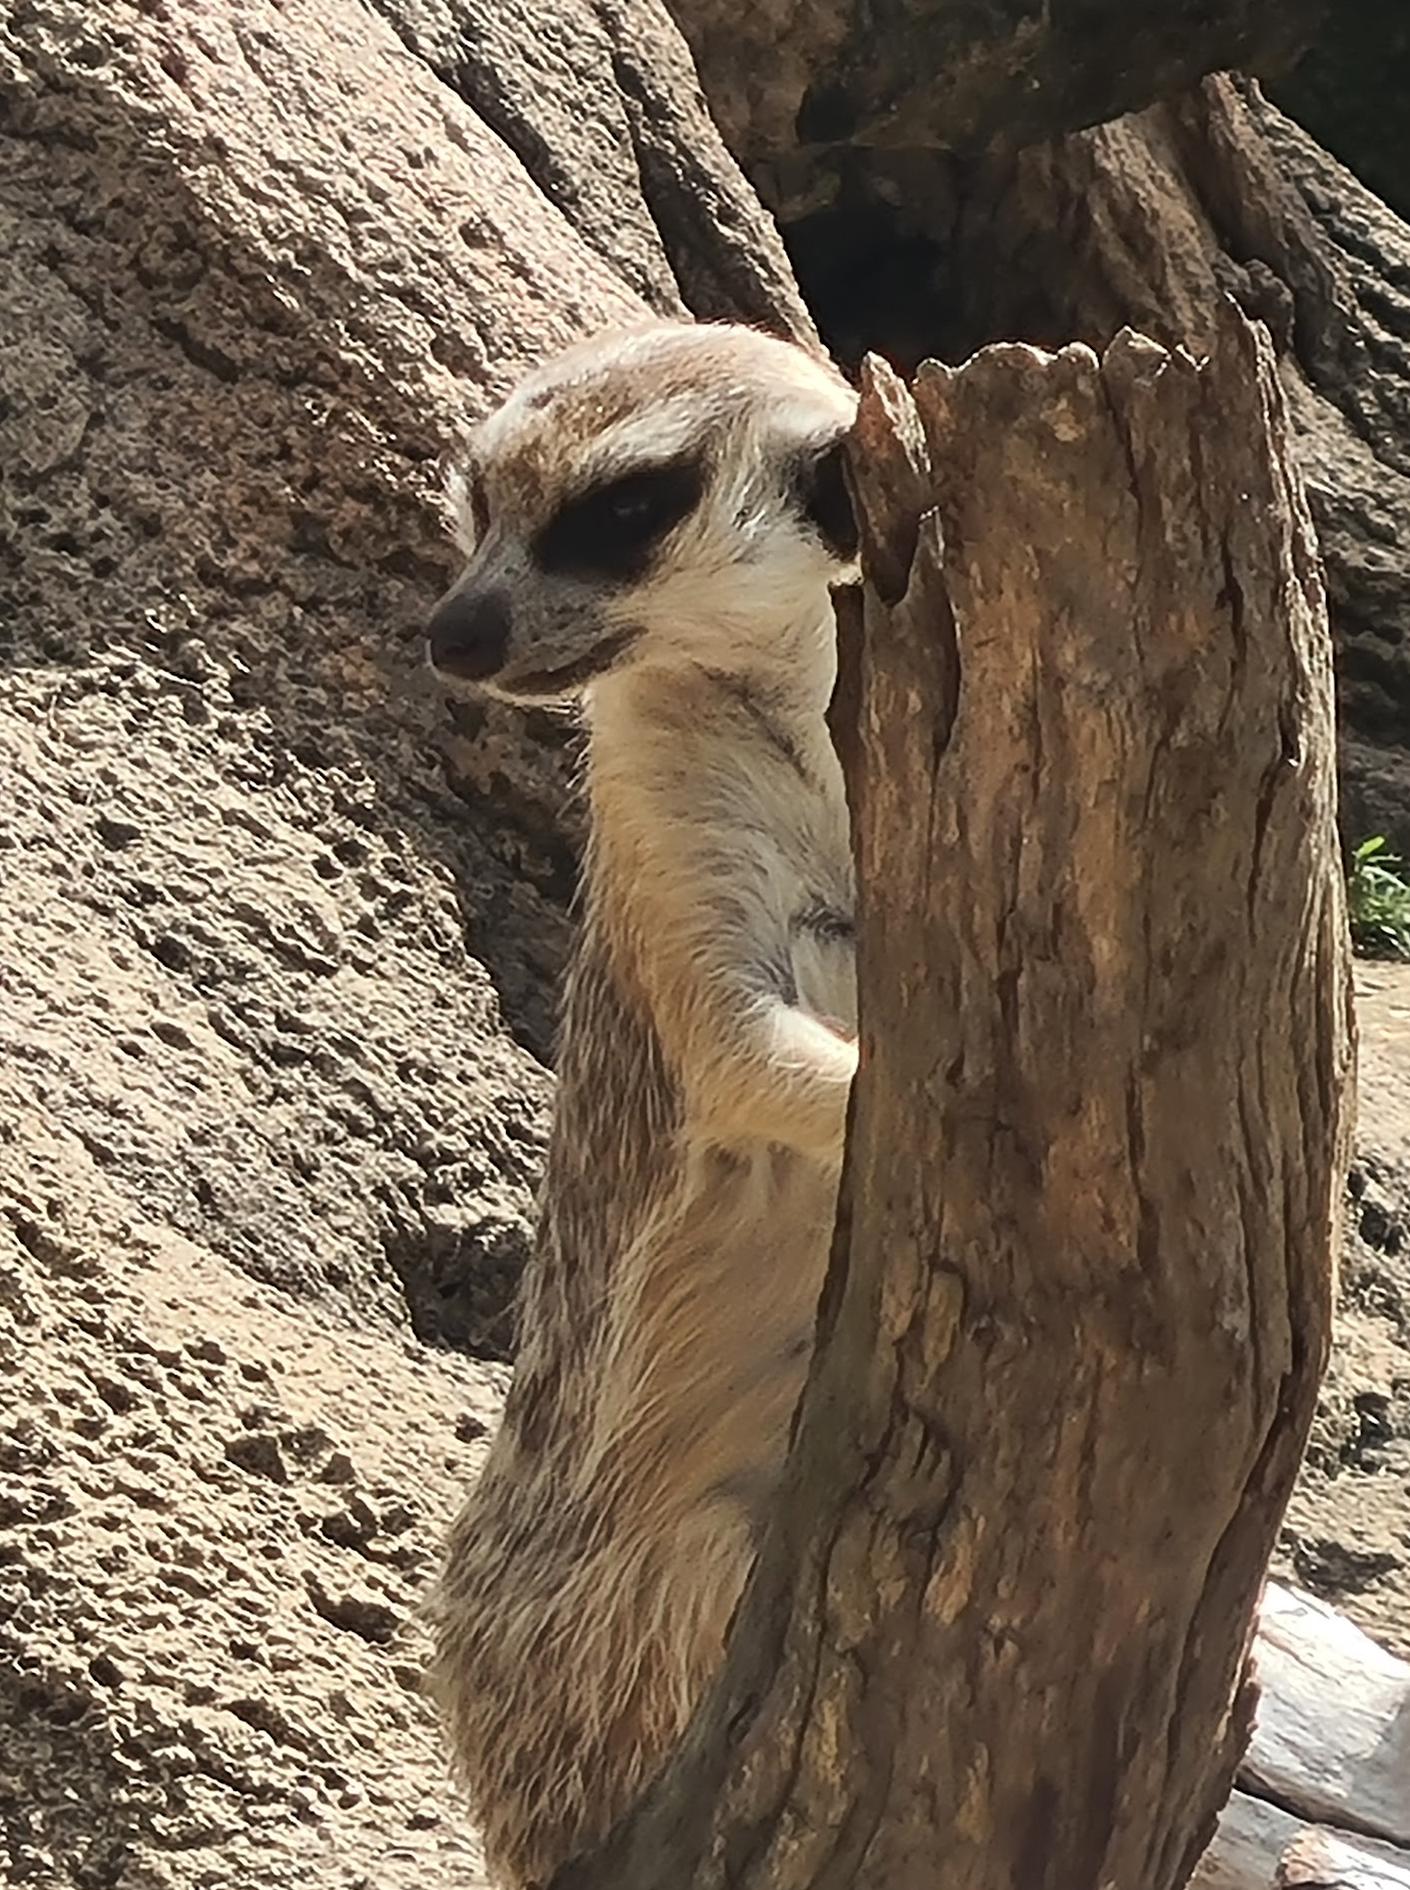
(671, 495)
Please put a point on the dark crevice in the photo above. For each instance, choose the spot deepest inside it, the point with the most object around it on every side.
(1322, 1814)
(199, 353)
(873, 283)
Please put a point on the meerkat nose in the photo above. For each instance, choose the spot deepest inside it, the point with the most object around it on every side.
(468, 635)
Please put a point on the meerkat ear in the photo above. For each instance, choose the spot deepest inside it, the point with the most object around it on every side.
(826, 499)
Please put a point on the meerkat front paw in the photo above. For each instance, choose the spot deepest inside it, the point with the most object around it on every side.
(818, 1060)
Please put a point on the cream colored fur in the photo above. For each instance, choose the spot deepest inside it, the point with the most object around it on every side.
(708, 1048)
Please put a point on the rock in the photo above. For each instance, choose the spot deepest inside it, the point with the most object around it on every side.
(199, 1667)
(274, 999)
(931, 203)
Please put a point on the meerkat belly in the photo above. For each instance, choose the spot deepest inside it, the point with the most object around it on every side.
(695, 1403)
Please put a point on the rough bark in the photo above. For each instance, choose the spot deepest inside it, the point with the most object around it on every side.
(925, 242)
(1153, 221)
(1080, 1292)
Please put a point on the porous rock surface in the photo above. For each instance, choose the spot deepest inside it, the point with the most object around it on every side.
(275, 1000)
(219, 1503)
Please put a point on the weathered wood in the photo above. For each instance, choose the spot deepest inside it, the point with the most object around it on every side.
(1258, 1844)
(1151, 222)
(1330, 1748)
(1325, 1860)
(935, 248)
(1080, 1290)
(1332, 1740)
(1251, 1837)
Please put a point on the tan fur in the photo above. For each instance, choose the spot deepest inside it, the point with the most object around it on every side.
(707, 1052)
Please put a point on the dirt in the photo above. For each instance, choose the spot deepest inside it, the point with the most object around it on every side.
(1347, 1535)
(217, 1507)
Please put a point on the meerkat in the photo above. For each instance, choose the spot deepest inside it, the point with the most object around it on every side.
(655, 521)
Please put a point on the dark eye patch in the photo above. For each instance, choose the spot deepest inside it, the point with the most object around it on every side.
(613, 529)
(821, 485)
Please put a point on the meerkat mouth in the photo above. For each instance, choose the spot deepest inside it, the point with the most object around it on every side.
(567, 678)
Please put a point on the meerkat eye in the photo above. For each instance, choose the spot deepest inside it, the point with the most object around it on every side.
(612, 530)
(820, 484)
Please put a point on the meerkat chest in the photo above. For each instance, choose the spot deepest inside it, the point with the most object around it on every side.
(801, 827)
(725, 824)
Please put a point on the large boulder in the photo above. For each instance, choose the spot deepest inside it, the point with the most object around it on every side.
(275, 999)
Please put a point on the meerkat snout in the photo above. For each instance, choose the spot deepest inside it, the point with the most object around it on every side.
(468, 634)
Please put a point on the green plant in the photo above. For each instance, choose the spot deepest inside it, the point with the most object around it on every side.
(1378, 898)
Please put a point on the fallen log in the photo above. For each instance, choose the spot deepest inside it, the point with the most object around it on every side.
(1323, 1796)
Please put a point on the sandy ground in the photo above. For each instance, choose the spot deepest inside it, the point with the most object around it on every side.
(1347, 1535)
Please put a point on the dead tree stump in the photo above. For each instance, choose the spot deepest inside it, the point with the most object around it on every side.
(1081, 1287)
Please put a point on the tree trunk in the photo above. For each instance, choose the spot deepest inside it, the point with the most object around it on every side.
(1151, 222)
(1079, 1297)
